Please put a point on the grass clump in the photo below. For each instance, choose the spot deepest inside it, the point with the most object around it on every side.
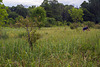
(3, 34)
(74, 26)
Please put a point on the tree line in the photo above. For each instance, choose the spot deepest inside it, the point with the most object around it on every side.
(51, 12)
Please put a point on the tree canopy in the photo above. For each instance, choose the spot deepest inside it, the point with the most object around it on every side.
(52, 9)
(76, 14)
(3, 14)
(38, 13)
(93, 7)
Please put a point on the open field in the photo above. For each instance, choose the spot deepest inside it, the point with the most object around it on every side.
(57, 47)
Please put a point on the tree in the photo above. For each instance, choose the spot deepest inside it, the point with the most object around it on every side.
(13, 9)
(49, 22)
(29, 25)
(87, 15)
(3, 14)
(53, 9)
(65, 14)
(76, 14)
(85, 5)
(94, 6)
(57, 9)
(47, 8)
(38, 15)
(12, 15)
(20, 10)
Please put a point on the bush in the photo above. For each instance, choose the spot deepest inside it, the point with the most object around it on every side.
(18, 25)
(97, 26)
(34, 36)
(11, 21)
(40, 24)
(49, 22)
(68, 23)
(59, 23)
(89, 24)
(74, 25)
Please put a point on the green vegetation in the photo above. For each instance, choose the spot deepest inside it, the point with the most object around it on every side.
(40, 37)
(76, 14)
(51, 13)
(57, 47)
(3, 14)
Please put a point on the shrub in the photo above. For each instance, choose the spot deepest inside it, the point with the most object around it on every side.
(34, 36)
(59, 23)
(89, 24)
(97, 26)
(48, 22)
(68, 23)
(18, 25)
(74, 25)
(40, 24)
(11, 21)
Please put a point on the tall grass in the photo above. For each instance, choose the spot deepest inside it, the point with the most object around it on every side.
(57, 47)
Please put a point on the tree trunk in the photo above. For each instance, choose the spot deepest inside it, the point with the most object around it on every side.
(29, 40)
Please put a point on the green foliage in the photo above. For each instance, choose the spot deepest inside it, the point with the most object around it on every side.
(21, 10)
(68, 23)
(94, 9)
(65, 15)
(29, 25)
(19, 19)
(13, 15)
(87, 15)
(34, 36)
(58, 48)
(53, 9)
(52, 22)
(59, 23)
(85, 5)
(76, 14)
(89, 24)
(74, 25)
(38, 14)
(48, 22)
(3, 14)
(40, 24)
(47, 8)
(18, 25)
(18, 22)
(11, 21)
